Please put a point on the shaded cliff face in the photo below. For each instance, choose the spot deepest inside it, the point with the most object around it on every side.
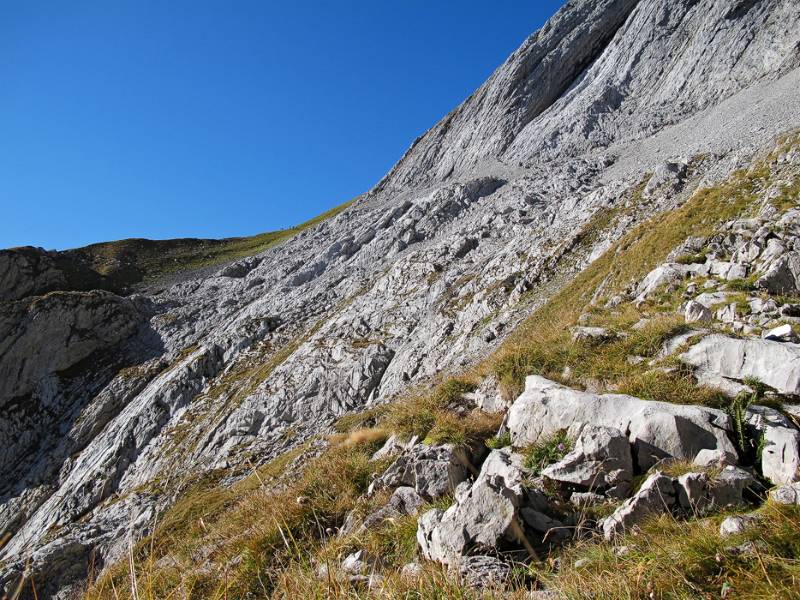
(497, 206)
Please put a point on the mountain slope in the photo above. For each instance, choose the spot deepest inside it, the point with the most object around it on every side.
(613, 112)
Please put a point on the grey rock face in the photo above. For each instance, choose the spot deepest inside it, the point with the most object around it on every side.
(773, 363)
(430, 270)
(432, 470)
(600, 461)
(482, 517)
(656, 495)
(780, 456)
(656, 429)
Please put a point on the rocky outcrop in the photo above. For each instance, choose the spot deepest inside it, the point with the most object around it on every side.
(51, 334)
(484, 515)
(656, 430)
(600, 461)
(773, 363)
(482, 218)
(432, 471)
(692, 492)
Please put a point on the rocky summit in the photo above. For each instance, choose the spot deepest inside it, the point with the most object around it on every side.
(570, 310)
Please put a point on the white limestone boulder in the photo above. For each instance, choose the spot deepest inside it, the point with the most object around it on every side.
(718, 357)
(655, 429)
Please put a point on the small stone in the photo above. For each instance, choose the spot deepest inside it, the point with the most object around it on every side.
(582, 562)
(782, 333)
(786, 494)
(695, 312)
(736, 524)
(412, 570)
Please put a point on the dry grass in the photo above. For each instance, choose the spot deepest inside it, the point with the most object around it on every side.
(689, 560)
(234, 542)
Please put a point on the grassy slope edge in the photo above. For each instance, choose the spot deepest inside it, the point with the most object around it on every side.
(125, 263)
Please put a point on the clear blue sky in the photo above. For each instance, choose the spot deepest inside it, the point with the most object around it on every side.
(161, 119)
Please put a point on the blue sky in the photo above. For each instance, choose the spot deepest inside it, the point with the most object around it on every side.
(213, 119)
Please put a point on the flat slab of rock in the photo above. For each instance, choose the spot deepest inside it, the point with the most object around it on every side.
(656, 429)
(721, 357)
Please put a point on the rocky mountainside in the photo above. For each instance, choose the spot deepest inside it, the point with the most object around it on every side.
(116, 405)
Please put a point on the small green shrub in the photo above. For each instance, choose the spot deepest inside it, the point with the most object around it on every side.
(692, 259)
(547, 452)
(742, 285)
(499, 441)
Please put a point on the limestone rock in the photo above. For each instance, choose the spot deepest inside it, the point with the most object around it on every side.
(695, 312)
(714, 458)
(780, 455)
(783, 277)
(718, 357)
(600, 461)
(432, 470)
(424, 274)
(782, 333)
(736, 524)
(656, 429)
(657, 494)
(485, 515)
(786, 494)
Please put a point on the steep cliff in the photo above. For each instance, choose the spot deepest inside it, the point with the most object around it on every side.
(113, 406)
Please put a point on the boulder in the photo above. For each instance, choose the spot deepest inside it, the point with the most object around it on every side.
(783, 275)
(660, 277)
(718, 357)
(600, 461)
(432, 471)
(780, 455)
(695, 312)
(691, 492)
(484, 516)
(656, 429)
(656, 495)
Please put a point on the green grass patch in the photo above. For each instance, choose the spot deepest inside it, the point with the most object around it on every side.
(546, 452)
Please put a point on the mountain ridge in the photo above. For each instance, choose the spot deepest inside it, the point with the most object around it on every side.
(485, 217)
